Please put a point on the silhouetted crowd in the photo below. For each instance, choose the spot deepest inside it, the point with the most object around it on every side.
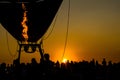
(48, 70)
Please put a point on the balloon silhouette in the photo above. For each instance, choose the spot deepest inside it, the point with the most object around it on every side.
(40, 14)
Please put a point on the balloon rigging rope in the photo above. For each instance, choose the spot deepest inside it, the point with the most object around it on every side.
(13, 55)
(67, 31)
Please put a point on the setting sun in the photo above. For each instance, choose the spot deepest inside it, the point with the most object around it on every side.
(64, 60)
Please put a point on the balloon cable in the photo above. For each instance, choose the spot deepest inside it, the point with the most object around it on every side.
(67, 31)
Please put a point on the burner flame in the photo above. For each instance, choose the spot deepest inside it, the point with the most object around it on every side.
(24, 25)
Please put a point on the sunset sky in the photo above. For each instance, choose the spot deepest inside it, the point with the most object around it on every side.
(94, 32)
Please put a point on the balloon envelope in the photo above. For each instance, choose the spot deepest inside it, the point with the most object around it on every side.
(40, 14)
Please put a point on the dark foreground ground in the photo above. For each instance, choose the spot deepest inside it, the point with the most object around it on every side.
(48, 70)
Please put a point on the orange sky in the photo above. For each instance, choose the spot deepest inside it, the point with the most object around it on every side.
(94, 32)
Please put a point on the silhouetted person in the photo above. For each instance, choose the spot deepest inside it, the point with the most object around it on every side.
(47, 67)
(3, 71)
(104, 62)
(33, 70)
(33, 61)
(49, 70)
(47, 62)
(46, 57)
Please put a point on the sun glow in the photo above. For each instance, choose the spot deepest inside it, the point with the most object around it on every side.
(64, 60)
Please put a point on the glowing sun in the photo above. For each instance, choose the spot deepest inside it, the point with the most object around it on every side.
(64, 60)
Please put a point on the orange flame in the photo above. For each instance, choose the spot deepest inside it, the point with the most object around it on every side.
(24, 25)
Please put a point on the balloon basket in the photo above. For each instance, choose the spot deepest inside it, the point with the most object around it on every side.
(30, 47)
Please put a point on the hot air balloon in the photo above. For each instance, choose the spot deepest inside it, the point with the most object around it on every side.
(39, 15)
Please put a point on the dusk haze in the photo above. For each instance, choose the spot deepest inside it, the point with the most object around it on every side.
(80, 30)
